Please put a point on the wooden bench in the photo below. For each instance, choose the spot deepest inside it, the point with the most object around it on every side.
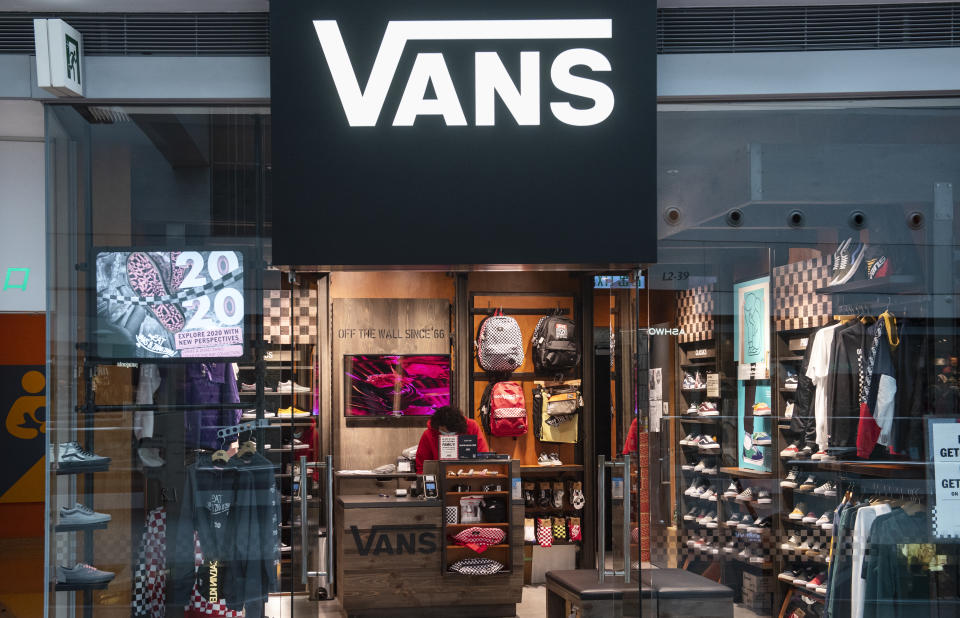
(665, 593)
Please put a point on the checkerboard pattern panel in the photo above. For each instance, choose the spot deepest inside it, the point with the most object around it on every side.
(696, 311)
(278, 328)
(796, 304)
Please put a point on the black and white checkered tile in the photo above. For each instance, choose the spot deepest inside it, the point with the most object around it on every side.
(796, 304)
(280, 326)
(696, 310)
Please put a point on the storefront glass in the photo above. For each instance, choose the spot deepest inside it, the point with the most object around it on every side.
(803, 326)
(788, 467)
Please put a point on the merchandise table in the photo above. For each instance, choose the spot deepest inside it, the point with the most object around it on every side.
(390, 561)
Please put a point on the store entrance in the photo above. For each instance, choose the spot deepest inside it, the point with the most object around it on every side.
(352, 361)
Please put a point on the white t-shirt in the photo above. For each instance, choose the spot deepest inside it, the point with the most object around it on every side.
(861, 534)
(817, 371)
(149, 383)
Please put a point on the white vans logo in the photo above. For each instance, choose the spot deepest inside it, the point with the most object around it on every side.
(363, 107)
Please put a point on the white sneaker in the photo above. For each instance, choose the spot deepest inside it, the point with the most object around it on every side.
(150, 457)
(289, 386)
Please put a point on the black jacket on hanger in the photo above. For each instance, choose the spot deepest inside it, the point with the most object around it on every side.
(850, 348)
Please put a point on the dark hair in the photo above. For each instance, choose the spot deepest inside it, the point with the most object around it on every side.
(451, 418)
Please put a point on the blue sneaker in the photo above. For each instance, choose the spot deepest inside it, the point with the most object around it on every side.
(761, 438)
(754, 456)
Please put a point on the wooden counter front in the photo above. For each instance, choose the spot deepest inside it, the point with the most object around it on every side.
(389, 563)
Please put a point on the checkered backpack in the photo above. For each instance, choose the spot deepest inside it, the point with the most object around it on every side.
(499, 343)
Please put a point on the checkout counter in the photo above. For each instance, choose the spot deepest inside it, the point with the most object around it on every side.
(394, 552)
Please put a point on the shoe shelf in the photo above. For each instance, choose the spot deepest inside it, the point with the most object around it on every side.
(81, 527)
(894, 284)
(534, 469)
(78, 587)
(746, 473)
(84, 470)
(813, 594)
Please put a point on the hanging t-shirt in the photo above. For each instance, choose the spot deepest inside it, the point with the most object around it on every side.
(861, 534)
(818, 370)
(148, 385)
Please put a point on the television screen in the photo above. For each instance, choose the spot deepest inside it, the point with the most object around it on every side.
(169, 304)
(379, 385)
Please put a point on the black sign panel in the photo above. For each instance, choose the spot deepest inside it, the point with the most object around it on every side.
(493, 132)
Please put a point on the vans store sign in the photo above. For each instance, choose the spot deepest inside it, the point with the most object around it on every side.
(444, 133)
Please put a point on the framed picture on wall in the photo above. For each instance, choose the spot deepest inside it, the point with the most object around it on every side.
(751, 325)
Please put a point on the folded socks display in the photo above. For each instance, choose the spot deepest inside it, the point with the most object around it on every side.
(529, 530)
(545, 532)
(575, 533)
(558, 495)
(560, 529)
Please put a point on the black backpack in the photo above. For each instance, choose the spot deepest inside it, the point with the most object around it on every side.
(556, 347)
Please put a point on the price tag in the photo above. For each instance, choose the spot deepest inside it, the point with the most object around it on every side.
(448, 447)
(713, 385)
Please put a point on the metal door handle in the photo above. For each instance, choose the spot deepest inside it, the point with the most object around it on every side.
(327, 465)
(602, 465)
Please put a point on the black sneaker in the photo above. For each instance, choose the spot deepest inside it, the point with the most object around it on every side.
(74, 457)
(759, 525)
(850, 257)
(805, 453)
(792, 478)
(763, 497)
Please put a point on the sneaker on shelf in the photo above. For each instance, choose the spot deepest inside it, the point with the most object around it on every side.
(822, 588)
(836, 256)
(292, 411)
(687, 466)
(805, 453)
(709, 494)
(814, 550)
(692, 410)
(745, 496)
(82, 573)
(817, 580)
(700, 542)
(745, 554)
(150, 457)
(804, 576)
(809, 518)
(746, 520)
(733, 520)
(291, 386)
(849, 263)
(822, 489)
(761, 409)
(284, 548)
(700, 465)
(708, 408)
(791, 478)
(688, 439)
(798, 512)
(803, 547)
(826, 521)
(762, 438)
(555, 459)
(753, 455)
(74, 457)
(757, 558)
(544, 460)
(790, 544)
(710, 469)
(692, 514)
(788, 575)
(759, 525)
(689, 382)
(708, 443)
(791, 381)
(79, 515)
(709, 520)
(788, 411)
(730, 547)
(808, 485)
(248, 388)
(691, 542)
(821, 455)
(732, 491)
(876, 263)
(713, 548)
(791, 451)
(701, 489)
(699, 381)
(763, 497)
(830, 489)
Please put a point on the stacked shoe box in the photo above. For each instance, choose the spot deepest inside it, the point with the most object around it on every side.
(757, 592)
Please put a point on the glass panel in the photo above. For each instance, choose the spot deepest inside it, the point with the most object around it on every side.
(803, 312)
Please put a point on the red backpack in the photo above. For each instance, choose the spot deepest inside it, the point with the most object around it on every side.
(503, 410)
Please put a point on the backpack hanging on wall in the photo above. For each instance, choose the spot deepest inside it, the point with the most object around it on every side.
(556, 347)
(503, 410)
(556, 413)
(499, 343)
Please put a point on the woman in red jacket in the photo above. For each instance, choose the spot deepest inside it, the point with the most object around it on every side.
(447, 420)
